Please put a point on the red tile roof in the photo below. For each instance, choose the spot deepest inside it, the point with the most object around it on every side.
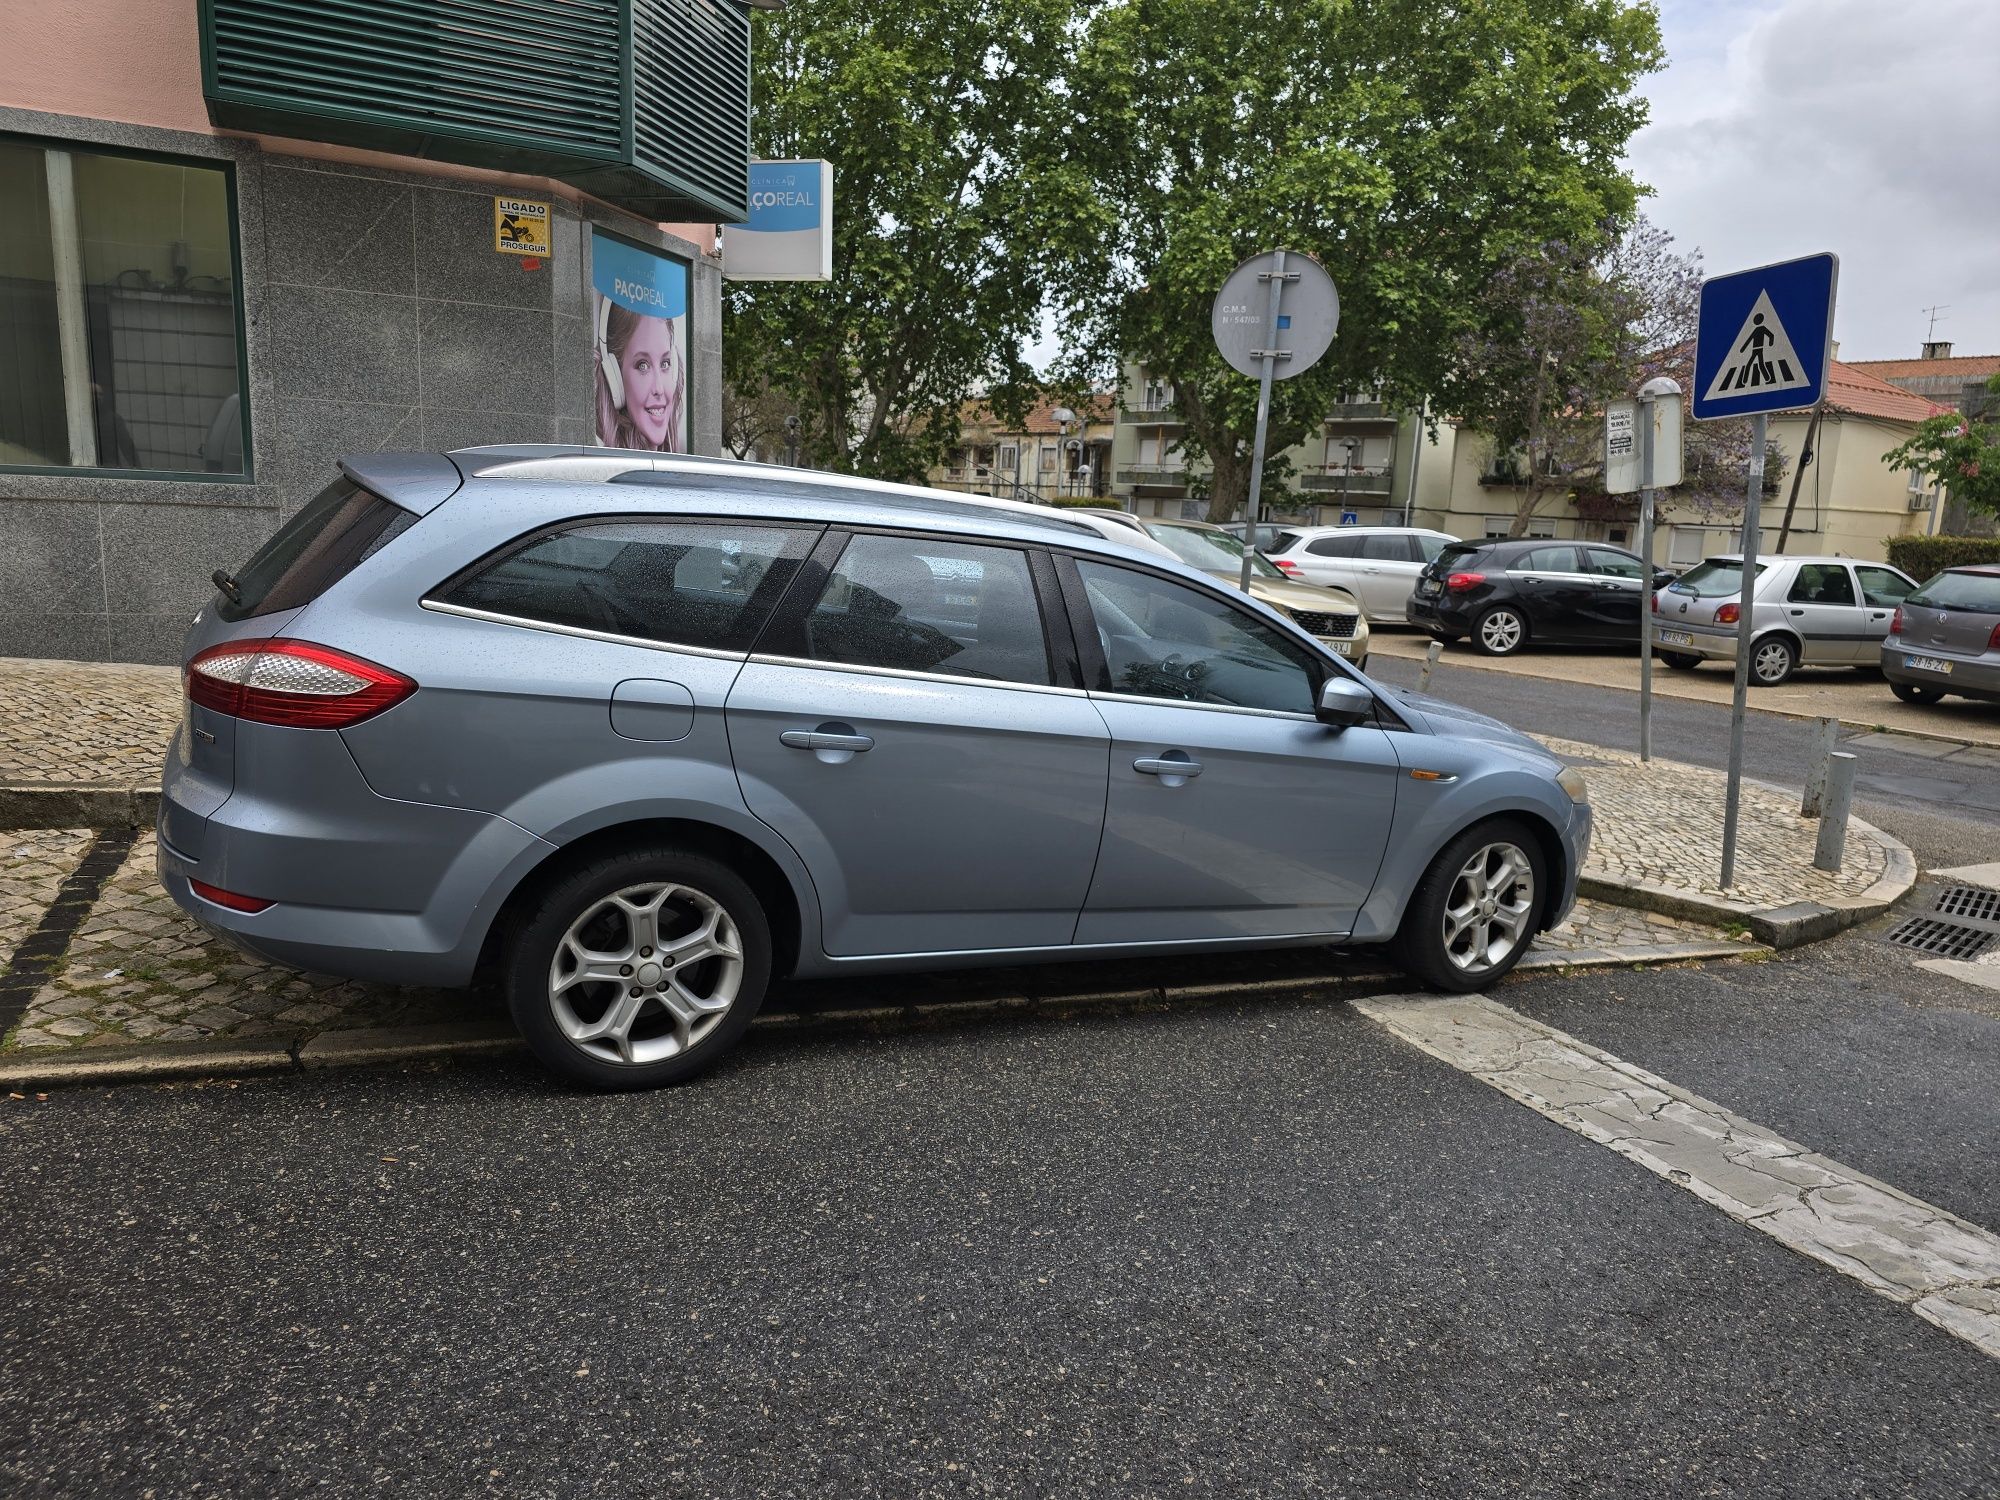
(1970, 366)
(1098, 410)
(1862, 394)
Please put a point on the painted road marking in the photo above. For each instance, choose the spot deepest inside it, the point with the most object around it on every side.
(1945, 1270)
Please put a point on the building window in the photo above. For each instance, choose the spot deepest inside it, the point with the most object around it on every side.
(118, 314)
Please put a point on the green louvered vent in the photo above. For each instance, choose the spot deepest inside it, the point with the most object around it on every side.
(541, 77)
(691, 96)
(537, 86)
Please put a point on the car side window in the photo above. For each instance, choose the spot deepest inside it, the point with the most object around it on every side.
(1883, 586)
(1609, 564)
(1335, 546)
(1385, 549)
(1162, 639)
(677, 583)
(956, 608)
(1822, 583)
(1546, 560)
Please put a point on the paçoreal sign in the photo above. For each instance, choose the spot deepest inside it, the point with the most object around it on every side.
(789, 234)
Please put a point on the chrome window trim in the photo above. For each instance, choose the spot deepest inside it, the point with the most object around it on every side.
(494, 617)
(767, 659)
(1214, 708)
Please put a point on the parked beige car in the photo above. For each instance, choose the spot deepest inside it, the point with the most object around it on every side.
(1333, 615)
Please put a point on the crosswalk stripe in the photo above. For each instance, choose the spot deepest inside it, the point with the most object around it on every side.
(1944, 1269)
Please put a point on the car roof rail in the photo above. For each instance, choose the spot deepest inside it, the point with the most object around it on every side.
(637, 466)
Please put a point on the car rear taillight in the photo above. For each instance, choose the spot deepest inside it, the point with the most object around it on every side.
(293, 683)
(1896, 621)
(216, 894)
(1656, 602)
(1288, 568)
(1729, 614)
(1993, 640)
(1459, 583)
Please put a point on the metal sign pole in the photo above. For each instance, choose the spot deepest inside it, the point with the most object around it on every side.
(1744, 620)
(1646, 578)
(1268, 358)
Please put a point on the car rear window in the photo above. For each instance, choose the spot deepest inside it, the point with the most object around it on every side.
(1712, 580)
(1979, 592)
(1453, 555)
(673, 583)
(332, 534)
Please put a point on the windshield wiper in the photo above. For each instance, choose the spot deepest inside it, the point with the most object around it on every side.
(223, 580)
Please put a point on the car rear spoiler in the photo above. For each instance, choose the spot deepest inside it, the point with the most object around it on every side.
(419, 482)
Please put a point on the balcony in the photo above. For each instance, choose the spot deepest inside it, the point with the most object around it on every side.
(1358, 483)
(1360, 411)
(643, 103)
(1154, 474)
(1163, 415)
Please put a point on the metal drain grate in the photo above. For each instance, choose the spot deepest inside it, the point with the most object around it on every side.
(1969, 901)
(1939, 939)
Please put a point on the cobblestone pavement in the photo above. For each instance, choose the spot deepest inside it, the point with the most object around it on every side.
(34, 862)
(74, 723)
(1662, 823)
(139, 970)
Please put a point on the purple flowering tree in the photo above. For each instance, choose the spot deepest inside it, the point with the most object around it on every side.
(1562, 329)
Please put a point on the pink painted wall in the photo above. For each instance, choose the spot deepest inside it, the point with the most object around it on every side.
(139, 61)
(133, 60)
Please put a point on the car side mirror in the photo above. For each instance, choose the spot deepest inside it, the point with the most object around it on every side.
(1342, 703)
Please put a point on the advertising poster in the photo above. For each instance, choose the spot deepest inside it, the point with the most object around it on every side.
(640, 335)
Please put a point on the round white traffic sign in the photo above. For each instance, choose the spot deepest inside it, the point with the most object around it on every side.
(1308, 315)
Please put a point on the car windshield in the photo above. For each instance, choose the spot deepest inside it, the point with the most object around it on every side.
(1211, 551)
(1979, 592)
(1715, 579)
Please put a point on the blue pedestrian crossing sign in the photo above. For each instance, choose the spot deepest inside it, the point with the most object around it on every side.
(1764, 337)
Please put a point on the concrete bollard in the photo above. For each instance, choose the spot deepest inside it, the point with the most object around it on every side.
(1431, 655)
(1825, 735)
(1832, 845)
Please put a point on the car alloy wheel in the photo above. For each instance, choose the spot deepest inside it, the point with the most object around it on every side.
(1501, 632)
(1771, 662)
(646, 973)
(1488, 908)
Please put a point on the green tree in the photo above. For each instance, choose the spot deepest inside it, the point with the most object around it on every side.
(1960, 452)
(949, 124)
(1411, 146)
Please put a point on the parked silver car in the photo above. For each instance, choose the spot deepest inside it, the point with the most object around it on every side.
(637, 733)
(1946, 639)
(1812, 611)
(1379, 565)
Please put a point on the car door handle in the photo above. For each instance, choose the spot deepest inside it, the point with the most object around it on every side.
(1798, 612)
(819, 739)
(1160, 766)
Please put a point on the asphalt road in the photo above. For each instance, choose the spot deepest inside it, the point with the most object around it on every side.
(1241, 1249)
(1948, 812)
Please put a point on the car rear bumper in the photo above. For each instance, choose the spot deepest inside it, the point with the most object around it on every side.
(1970, 676)
(362, 886)
(1710, 642)
(1441, 612)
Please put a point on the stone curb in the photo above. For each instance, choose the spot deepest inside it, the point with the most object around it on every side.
(362, 1046)
(1781, 927)
(1872, 726)
(53, 805)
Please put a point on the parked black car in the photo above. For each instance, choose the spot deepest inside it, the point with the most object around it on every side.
(1504, 595)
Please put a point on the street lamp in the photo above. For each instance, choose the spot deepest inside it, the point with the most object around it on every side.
(792, 441)
(1346, 472)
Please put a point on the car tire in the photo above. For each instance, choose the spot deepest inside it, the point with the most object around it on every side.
(1680, 661)
(1439, 944)
(1444, 637)
(1500, 631)
(643, 1023)
(1772, 661)
(1916, 692)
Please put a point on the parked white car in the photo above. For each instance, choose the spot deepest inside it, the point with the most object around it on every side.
(1378, 565)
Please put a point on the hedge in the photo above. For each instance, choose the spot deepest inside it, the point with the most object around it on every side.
(1921, 556)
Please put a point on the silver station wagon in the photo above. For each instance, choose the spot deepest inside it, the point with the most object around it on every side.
(637, 734)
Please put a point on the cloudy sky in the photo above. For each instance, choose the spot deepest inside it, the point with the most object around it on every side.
(1867, 127)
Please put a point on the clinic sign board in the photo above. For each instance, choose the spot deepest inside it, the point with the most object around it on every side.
(789, 234)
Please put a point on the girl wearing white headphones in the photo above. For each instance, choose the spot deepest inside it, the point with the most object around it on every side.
(641, 383)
